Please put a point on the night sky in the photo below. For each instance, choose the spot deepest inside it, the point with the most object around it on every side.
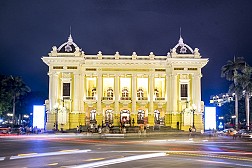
(29, 29)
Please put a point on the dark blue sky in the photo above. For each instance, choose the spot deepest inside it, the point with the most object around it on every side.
(28, 30)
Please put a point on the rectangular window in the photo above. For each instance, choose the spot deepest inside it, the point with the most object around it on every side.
(71, 67)
(183, 90)
(58, 67)
(66, 89)
(178, 68)
(192, 69)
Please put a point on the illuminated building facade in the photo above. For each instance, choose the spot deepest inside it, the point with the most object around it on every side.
(124, 89)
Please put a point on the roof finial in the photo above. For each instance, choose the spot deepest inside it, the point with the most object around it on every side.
(180, 32)
(70, 39)
(181, 42)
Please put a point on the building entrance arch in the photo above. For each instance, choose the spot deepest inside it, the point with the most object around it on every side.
(93, 116)
(125, 117)
(140, 116)
(109, 116)
(156, 117)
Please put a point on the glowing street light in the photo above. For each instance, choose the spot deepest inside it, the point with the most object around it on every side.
(9, 114)
(26, 116)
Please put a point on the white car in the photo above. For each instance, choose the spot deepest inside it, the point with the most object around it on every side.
(247, 134)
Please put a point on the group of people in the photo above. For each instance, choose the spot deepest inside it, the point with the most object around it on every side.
(24, 130)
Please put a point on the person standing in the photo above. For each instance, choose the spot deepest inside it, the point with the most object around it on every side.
(190, 132)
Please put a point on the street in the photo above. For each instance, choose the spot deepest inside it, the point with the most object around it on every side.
(81, 150)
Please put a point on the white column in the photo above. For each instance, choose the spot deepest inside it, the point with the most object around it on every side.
(50, 91)
(76, 92)
(151, 82)
(197, 92)
(83, 92)
(134, 94)
(117, 92)
(174, 93)
(53, 89)
(99, 94)
(168, 92)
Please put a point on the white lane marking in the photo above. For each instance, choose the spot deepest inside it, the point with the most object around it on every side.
(176, 151)
(49, 154)
(221, 162)
(119, 160)
(2, 158)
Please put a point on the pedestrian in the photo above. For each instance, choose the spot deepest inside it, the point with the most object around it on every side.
(190, 132)
(77, 129)
(234, 136)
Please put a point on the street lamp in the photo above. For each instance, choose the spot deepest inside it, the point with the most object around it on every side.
(193, 110)
(56, 108)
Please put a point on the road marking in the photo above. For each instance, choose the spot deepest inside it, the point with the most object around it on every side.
(88, 160)
(67, 152)
(120, 160)
(53, 164)
(226, 163)
(27, 154)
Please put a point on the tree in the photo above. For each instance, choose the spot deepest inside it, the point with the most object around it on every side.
(245, 80)
(229, 71)
(14, 88)
(5, 97)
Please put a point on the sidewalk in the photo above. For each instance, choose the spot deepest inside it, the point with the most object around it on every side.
(169, 136)
(153, 136)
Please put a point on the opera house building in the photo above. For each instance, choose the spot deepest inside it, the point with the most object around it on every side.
(130, 90)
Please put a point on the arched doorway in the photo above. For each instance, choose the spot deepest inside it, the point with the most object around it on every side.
(140, 116)
(125, 117)
(156, 117)
(109, 116)
(93, 116)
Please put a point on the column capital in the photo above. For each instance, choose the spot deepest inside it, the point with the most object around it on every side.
(151, 75)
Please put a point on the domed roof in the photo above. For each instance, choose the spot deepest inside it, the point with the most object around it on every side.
(182, 48)
(68, 47)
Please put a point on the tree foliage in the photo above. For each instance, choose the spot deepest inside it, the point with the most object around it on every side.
(11, 92)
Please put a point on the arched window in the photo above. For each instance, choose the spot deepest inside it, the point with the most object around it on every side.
(110, 93)
(125, 93)
(156, 93)
(93, 92)
(109, 116)
(93, 115)
(140, 93)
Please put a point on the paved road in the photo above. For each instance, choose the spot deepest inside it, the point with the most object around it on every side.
(139, 151)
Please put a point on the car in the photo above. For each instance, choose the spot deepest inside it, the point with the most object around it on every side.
(240, 132)
(4, 130)
(247, 135)
(227, 132)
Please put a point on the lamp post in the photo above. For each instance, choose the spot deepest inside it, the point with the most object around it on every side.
(193, 111)
(234, 118)
(56, 108)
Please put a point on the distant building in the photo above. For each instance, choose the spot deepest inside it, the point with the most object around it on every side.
(117, 89)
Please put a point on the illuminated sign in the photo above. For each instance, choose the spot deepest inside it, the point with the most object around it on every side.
(39, 116)
(210, 118)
